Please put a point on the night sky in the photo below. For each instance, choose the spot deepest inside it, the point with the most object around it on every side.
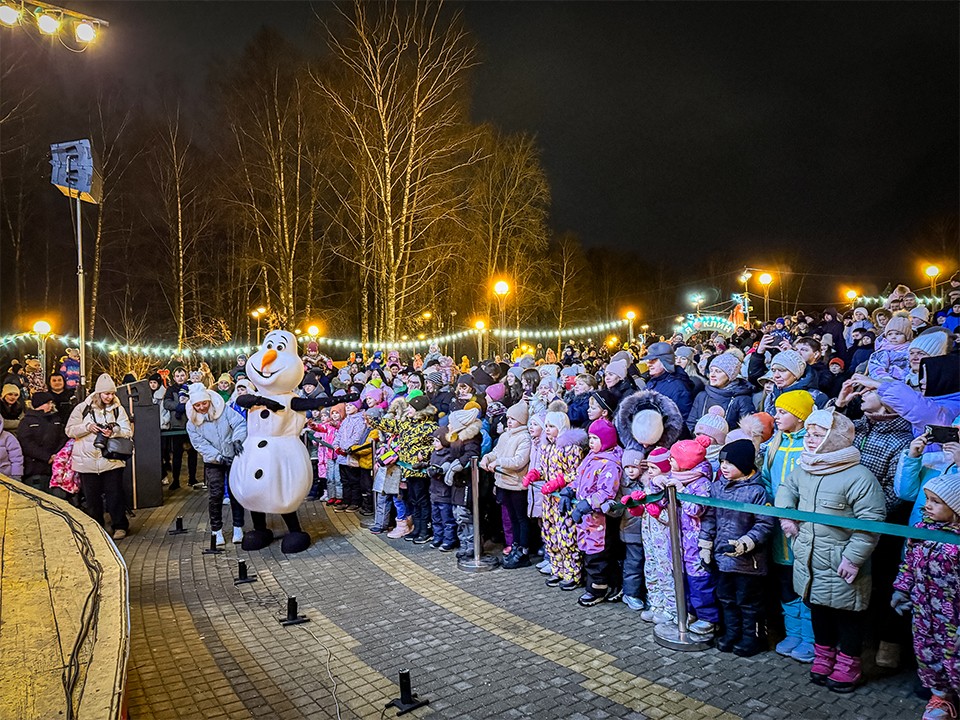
(746, 132)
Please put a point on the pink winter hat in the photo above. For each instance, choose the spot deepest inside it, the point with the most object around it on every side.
(660, 457)
(690, 453)
(496, 392)
(604, 430)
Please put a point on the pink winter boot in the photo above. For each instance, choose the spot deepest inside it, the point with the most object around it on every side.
(824, 659)
(846, 674)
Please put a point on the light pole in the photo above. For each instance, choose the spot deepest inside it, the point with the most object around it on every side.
(745, 279)
(453, 324)
(631, 316)
(256, 315)
(697, 300)
(42, 329)
(933, 272)
(765, 279)
(480, 325)
(852, 296)
(501, 290)
(643, 338)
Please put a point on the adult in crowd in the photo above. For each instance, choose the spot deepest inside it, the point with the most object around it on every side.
(667, 379)
(64, 399)
(726, 389)
(100, 417)
(175, 402)
(41, 437)
(12, 407)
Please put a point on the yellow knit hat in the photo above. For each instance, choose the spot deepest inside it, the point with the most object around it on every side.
(796, 402)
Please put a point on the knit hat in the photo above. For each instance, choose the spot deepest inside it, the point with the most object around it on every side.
(196, 376)
(549, 370)
(947, 488)
(496, 392)
(840, 430)
(104, 384)
(663, 352)
(417, 400)
(465, 380)
(685, 351)
(898, 323)
(41, 398)
(224, 377)
(482, 378)
(713, 425)
(742, 454)
(920, 312)
(605, 399)
(934, 342)
(618, 368)
(633, 458)
(767, 377)
(660, 457)
(798, 403)
(472, 405)
(790, 361)
(558, 419)
(827, 339)
(690, 453)
(10, 389)
(833, 361)
(727, 364)
(374, 413)
(434, 377)
(518, 411)
(441, 434)
(861, 312)
(605, 431)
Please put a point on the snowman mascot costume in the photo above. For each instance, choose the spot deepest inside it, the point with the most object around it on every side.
(272, 472)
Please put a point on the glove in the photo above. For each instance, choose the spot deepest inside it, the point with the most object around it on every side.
(706, 553)
(848, 571)
(653, 510)
(900, 602)
(416, 465)
(568, 492)
(452, 470)
(580, 511)
(531, 477)
(566, 504)
(636, 511)
(791, 528)
(738, 547)
(237, 448)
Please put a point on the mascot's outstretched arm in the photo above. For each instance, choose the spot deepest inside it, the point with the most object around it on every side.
(251, 401)
(299, 404)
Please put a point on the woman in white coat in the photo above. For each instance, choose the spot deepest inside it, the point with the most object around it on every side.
(100, 414)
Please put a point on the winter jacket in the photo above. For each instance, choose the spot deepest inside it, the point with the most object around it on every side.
(414, 441)
(577, 410)
(64, 402)
(736, 399)
(562, 458)
(818, 549)
(11, 456)
(597, 482)
(86, 457)
(464, 449)
(510, 458)
(213, 434)
(630, 525)
(534, 496)
(158, 396)
(724, 526)
(352, 431)
(880, 444)
(12, 414)
(441, 401)
(779, 456)
(70, 369)
(913, 473)
(440, 461)
(893, 362)
(695, 482)
(677, 386)
(41, 436)
(919, 410)
(175, 402)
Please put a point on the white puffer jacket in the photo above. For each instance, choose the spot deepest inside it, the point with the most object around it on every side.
(86, 457)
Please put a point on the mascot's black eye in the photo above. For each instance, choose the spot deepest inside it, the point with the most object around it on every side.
(281, 347)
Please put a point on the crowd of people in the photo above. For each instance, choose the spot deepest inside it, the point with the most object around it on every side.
(851, 415)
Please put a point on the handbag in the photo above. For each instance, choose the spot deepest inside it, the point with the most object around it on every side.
(118, 448)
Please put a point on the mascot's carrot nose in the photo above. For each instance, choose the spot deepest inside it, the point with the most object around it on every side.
(268, 357)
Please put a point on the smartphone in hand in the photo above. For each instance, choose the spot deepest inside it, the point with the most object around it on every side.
(942, 434)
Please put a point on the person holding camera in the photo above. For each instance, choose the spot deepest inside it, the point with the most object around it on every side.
(92, 424)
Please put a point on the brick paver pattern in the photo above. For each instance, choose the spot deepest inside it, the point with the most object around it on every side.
(491, 645)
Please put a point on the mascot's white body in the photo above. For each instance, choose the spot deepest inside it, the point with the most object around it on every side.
(273, 474)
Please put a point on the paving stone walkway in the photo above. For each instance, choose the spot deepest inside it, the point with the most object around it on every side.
(493, 645)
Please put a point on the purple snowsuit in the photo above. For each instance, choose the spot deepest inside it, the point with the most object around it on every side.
(598, 480)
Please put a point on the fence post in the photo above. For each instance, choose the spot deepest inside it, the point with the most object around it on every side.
(678, 637)
(479, 562)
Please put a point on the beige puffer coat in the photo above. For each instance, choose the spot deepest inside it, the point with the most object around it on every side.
(510, 458)
(86, 458)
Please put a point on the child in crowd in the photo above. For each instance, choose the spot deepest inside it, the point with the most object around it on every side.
(509, 462)
(658, 566)
(578, 403)
(394, 487)
(631, 532)
(533, 482)
(596, 484)
(735, 541)
(328, 431)
(928, 585)
(351, 433)
(464, 436)
(440, 472)
(690, 473)
(891, 359)
(714, 427)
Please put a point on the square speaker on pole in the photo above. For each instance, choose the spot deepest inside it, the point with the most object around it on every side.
(76, 172)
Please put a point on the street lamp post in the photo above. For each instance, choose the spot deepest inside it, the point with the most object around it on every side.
(631, 316)
(745, 279)
(501, 290)
(256, 315)
(852, 296)
(480, 326)
(765, 279)
(42, 329)
(933, 272)
(453, 324)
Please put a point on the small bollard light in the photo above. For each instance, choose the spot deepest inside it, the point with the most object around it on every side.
(242, 577)
(292, 617)
(178, 526)
(213, 549)
(408, 700)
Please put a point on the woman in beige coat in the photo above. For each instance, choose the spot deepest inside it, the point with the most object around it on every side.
(100, 414)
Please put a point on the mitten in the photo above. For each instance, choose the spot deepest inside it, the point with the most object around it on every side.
(636, 511)
(638, 495)
(566, 504)
(531, 477)
(706, 552)
(653, 510)
(238, 447)
(568, 492)
(900, 602)
(580, 511)
(791, 528)
(738, 547)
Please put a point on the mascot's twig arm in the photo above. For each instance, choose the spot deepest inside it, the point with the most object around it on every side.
(299, 404)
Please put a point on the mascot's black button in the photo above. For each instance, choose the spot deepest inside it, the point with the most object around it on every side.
(258, 474)
(262, 444)
(264, 414)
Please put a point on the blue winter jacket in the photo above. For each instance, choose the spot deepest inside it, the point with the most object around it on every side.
(724, 526)
(677, 386)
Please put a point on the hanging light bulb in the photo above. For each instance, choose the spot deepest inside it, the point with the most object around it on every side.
(85, 32)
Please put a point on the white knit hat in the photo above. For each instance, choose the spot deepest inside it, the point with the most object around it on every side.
(791, 361)
(104, 384)
(947, 488)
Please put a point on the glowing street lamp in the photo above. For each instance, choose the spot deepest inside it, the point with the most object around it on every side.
(697, 300)
(501, 289)
(765, 279)
(48, 23)
(852, 296)
(480, 325)
(256, 315)
(631, 316)
(9, 15)
(932, 272)
(313, 331)
(42, 328)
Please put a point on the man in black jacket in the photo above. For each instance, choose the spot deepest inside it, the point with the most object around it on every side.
(63, 398)
(175, 401)
(41, 437)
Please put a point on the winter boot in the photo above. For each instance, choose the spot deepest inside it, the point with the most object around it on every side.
(517, 558)
(803, 652)
(404, 527)
(732, 624)
(593, 596)
(940, 707)
(791, 621)
(824, 658)
(846, 674)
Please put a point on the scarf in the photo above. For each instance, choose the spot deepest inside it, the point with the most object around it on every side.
(688, 476)
(829, 463)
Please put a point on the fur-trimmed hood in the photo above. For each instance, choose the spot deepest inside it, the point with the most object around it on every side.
(573, 436)
(631, 405)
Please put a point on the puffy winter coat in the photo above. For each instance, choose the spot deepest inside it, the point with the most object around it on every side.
(511, 458)
(818, 549)
(158, 396)
(736, 399)
(724, 526)
(86, 457)
(352, 431)
(677, 386)
(175, 402)
(414, 441)
(213, 434)
(577, 410)
(598, 480)
(11, 457)
(41, 436)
